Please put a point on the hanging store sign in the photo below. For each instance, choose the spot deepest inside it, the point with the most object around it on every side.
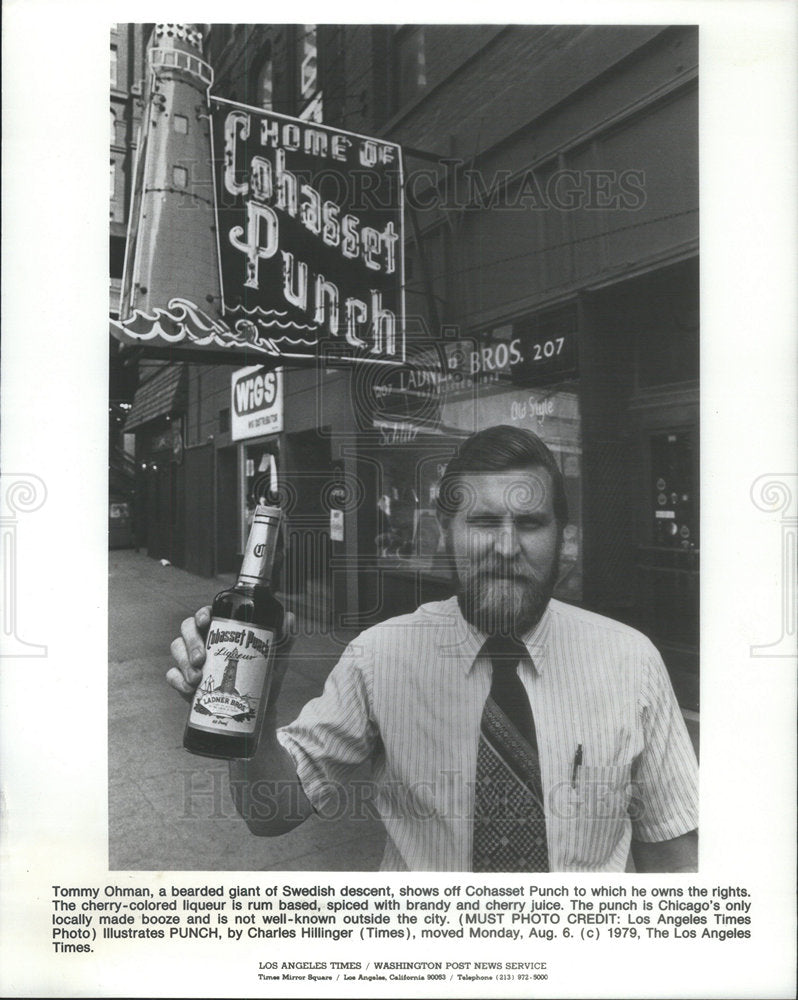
(254, 236)
(306, 257)
(256, 406)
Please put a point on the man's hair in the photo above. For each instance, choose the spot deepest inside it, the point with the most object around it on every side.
(497, 449)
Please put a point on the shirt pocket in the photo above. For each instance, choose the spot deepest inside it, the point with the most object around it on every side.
(596, 817)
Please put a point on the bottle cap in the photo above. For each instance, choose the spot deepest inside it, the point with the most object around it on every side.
(259, 552)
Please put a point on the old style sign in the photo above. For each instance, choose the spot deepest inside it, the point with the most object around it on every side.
(309, 233)
(254, 236)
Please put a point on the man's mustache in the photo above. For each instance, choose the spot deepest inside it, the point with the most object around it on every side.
(503, 572)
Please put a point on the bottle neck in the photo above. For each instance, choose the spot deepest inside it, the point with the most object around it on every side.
(256, 568)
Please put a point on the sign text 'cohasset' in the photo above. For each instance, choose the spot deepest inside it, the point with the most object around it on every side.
(274, 193)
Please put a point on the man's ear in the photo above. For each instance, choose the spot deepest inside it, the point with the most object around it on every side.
(560, 544)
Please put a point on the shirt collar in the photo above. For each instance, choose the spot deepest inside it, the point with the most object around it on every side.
(470, 640)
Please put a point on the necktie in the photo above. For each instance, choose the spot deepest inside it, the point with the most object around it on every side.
(509, 820)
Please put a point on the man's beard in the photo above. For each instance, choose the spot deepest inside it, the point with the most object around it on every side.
(499, 599)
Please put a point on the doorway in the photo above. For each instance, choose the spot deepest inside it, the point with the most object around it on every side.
(667, 569)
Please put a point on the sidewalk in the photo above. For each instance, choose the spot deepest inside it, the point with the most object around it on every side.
(169, 810)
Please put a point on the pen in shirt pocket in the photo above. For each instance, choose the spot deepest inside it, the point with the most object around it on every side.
(577, 763)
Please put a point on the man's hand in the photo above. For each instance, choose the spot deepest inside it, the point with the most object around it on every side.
(188, 653)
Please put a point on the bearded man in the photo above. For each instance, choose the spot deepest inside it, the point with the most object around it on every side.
(507, 731)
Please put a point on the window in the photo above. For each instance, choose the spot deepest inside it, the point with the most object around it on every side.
(310, 97)
(181, 124)
(307, 60)
(264, 84)
(117, 256)
(410, 64)
(113, 128)
(113, 179)
(113, 66)
(406, 528)
(180, 177)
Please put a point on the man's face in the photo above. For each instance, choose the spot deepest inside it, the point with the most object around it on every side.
(505, 542)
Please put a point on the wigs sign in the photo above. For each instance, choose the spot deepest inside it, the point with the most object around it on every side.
(253, 235)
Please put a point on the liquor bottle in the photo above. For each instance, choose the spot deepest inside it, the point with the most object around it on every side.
(230, 701)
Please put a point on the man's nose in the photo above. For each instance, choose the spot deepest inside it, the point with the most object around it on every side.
(505, 539)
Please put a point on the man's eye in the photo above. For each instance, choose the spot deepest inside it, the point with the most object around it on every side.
(484, 521)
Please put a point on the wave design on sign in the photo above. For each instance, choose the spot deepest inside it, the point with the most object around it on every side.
(184, 321)
(266, 314)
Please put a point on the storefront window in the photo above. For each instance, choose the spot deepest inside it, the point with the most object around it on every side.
(260, 479)
(406, 524)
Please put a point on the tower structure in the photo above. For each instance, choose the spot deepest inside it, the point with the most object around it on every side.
(228, 685)
(174, 250)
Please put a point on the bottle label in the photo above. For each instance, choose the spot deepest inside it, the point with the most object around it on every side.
(236, 676)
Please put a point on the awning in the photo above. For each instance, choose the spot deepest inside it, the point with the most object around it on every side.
(164, 393)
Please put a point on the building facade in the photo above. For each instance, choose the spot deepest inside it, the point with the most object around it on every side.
(551, 281)
(127, 76)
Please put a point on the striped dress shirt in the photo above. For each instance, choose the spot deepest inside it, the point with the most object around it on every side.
(408, 695)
